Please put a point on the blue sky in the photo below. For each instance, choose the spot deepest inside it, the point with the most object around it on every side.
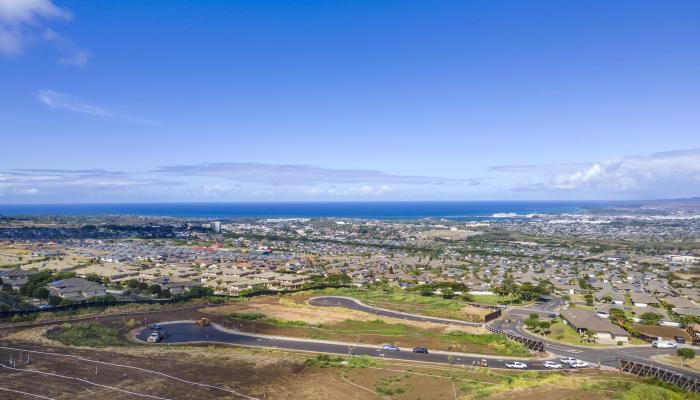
(104, 101)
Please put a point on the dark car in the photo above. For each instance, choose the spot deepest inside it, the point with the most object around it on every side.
(155, 327)
(420, 350)
(679, 339)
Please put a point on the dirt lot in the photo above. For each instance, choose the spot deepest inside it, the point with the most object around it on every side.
(351, 326)
(195, 373)
(287, 309)
(213, 372)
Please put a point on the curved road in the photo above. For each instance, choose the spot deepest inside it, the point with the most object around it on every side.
(188, 332)
(606, 356)
(348, 302)
(609, 356)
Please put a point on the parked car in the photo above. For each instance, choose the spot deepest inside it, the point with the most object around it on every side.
(663, 344)
(155, 337)
(390, 347)
(155, 327)
(567, 360)
(679, 339)
(552, 364)
(420, 350)
(579, 364)
(516, 365)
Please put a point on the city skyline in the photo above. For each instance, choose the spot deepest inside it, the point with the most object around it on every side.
(274, 101)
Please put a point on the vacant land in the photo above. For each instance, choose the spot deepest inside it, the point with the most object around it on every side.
(283, 316)
(675, 361)
(492, 299)
(213, 372)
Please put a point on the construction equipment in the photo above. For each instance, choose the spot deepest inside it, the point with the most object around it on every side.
(202, 322)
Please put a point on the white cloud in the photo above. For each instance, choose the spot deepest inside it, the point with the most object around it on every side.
(57, 100)
(273, 174)
(23, 22)
(665, 174)
(69, 53)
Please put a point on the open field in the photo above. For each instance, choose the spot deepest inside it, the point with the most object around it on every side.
(281, 316)
(61, 264)
(213, 372)
(492, 299)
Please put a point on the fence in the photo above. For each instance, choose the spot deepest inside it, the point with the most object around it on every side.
(492, 315)
(478, 305)
(684, 382)
(644, 336)
(531, 344)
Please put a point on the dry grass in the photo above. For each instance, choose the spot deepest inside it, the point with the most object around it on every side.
(288, 310)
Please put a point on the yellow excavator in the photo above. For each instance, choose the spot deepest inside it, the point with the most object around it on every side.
(202, 322)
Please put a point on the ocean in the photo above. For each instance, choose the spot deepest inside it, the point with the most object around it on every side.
(456, 210)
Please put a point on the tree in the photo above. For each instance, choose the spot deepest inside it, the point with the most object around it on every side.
(93, 278)
(201, 291)
(651, 318)
(54, 300)
(685, 354)
(154, 290)
(589, 299)
(468, 297)
(618, 316)
(607, 298)
(41, 293)
(588, 336)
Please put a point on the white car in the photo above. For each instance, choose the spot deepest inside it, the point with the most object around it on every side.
(567, 360)
(579, 364)
(154, 337)
(552, 364)
(516, 365)
(662, 344)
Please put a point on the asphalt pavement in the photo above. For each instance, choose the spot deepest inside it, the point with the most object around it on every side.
(188, 332)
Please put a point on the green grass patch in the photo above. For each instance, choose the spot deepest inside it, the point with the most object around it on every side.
(90, 334)
(246, 316)
(500, 344)
(328, 361)
(494, 299)
(391, 386)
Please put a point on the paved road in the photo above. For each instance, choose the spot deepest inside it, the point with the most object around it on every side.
(606, 356)
(188, 332)
(347, 302)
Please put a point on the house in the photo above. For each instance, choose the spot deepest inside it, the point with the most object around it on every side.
(603, 309)
(640, 299)
(174, 286)
(15, 279)
(604, 330)
(76, 289)
(681, 302)
(612, 293)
